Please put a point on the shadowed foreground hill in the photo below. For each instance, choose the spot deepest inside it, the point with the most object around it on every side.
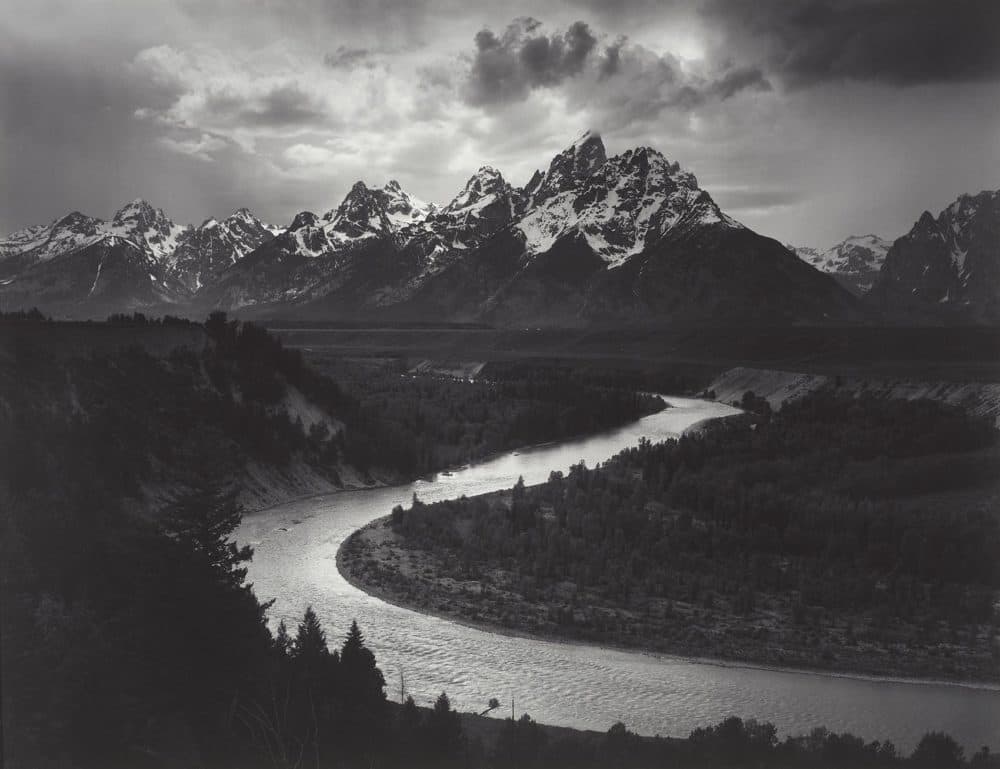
(129, 638)
(167, 408)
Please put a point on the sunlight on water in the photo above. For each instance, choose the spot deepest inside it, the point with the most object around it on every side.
(574, 685)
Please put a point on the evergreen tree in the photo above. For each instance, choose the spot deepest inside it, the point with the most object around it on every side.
(408, 729)
(204, 521)
(362, 679)
(282, 641)
(520, 743)
(310, 639)
(444, 732)
(937, 750)
(354, 642)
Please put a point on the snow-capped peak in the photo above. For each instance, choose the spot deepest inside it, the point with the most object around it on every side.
(855, 261)
(76, 221)
(303, 219)
(244, 215)
(569, 168)
(148, 227)
(138, 210)
(624, 204)
(589, 147)
(401, 207)
(361, 215)
(482, 188)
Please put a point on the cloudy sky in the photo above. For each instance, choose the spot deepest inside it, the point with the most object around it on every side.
(806, 120)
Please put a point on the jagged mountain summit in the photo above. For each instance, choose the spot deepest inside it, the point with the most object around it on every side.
(568, 169)
(204, 252)
(370, 252)
(591, 239)
(80, 265)
(578, 245)
(632, 239)
(946, 267)
(855, 262)
(148, 228)
(618, 205)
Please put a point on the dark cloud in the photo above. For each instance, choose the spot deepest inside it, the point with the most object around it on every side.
(71, 143)
(201, 111)
(611, 59)
(738, 79)
(284, 105)
(507, 67)
(350, 58)
(897, 42)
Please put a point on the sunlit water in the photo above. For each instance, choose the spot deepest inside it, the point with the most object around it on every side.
(575, 685)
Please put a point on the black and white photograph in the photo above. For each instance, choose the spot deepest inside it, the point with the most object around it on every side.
(539, 384)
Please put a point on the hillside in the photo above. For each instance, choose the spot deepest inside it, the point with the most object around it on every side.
(946, 267)
(980, 399)
(839, 533)
(175, 408)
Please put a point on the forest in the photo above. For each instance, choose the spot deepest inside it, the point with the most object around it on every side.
(840, 532)
(132, 639)
(421, 423)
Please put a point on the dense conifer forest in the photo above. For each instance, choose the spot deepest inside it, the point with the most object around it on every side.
(427, 422)
(131, 638)
(840, 532)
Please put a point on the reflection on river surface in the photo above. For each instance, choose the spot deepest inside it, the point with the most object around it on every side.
(575, 685)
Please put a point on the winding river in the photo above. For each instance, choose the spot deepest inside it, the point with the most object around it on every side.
(567, 684)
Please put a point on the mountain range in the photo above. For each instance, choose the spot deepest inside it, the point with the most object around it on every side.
(855, 262)
(945, 269)
(588, 240)
(947, 266)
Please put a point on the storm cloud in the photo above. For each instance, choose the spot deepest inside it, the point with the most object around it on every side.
(508, 67)
(348, 58)
(811, 119)
(286, 104)
(898, 42)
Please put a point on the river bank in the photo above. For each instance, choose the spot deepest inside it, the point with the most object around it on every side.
(580, 685)
(376, 560)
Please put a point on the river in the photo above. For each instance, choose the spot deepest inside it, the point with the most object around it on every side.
(565, 684)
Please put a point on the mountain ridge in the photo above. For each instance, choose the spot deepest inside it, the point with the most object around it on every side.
(854, 262)
(590, 239)
(945, 267)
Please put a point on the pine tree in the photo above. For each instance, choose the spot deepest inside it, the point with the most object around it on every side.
(444, 731)
(204, 521)
(408, 726)
(282, 641)
(354, 642)
(361, 676)
(310, 640)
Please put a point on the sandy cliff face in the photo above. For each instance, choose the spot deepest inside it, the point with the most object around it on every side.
(777, 386)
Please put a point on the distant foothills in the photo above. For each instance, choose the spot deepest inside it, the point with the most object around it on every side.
(591, 240)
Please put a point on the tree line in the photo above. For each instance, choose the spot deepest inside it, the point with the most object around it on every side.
(134, 640)
(424, 423)
(829, 512)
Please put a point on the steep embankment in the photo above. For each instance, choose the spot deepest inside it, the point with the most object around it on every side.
(170, 410)
(777, 386)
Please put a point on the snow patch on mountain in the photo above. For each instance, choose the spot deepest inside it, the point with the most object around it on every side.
(855, 261)
(629, 201)
(950, 262)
